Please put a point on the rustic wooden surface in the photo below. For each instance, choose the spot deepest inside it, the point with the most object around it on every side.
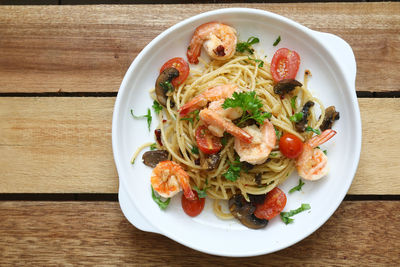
(71, 233)
(51, 143)
(89, 48)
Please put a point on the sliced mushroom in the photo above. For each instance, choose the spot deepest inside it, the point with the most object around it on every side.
(163, 82)
(285, 86)
(331, 115)
(301, 125)
(212, 161)
(244, 212)
(152, 158)
(257, 199)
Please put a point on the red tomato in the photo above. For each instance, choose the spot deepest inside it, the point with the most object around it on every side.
(181, 65)
(284, 64)
(273, 204)
(193, 207)
(206, 141)
(290, 145)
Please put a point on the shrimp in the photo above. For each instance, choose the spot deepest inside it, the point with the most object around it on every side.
(312, 164)
(218, 39)
(217, 124)
(264, 139)
(168, 178)
(211, 94)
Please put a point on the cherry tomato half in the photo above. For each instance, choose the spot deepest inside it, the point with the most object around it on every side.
(193, 207)
(181, 65)
(284, 64)
(274, 203)
(206, 141)
(290, 145)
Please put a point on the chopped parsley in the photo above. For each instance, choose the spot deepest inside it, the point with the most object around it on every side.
(167, 86)
(325, 152)
(157, 107)
(162, 204)
(246, 46)
(153, 146)
(148, 116)
(285, 216)
(273, 154)
(293, 102)
(277, 41)
(278, 134)
(297, 187)
(188, 119)
(233, 172)
(261, 63)
(296, 117)
(316, 131)
(250, 104)
(195, 150)
(225, 138)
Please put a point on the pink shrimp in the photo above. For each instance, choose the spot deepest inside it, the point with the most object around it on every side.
(215, 120)
(264, 139)
(211, 94)
(312, 164)
(218, 39)
(168, 178)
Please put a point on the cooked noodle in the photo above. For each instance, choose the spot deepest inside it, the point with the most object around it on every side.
(179, 139)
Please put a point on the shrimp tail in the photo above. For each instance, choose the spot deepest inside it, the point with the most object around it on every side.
(322, 138)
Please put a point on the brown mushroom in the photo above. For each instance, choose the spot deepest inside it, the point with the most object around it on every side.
(244, 212)
(163, 84)
(331, 115)
(212, 161)
(285, 86)
(152, 158)
(301, 125)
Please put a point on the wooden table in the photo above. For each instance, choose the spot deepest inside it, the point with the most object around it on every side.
(60, 70)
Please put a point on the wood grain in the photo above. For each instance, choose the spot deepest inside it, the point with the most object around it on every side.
(89, 48)
(88, 233)
(63, 145)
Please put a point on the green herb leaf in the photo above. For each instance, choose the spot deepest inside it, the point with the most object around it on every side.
(285, 215)
(225, 138)
(148, 116)
(250, 104)
(277, 41)
(293, 102)
(196, 114)
(201, 193)
(233, 172)
(273, 154)
(157, 107)
(325, 152)
(167, 86)
(195, 150)
(296, 117)
(153, 146)
(188, 119)
(246, 46)
(316, 131)
(278, 134)
(162, 204)
(297, 187)
(261, 63)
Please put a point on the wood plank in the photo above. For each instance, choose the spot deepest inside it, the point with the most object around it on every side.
(67, 149)
(89, 48)
(96, 233)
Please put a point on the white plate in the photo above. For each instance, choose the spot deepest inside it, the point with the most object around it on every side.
(332, 64)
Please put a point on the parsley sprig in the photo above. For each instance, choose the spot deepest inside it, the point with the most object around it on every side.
(157, 107)
(167, 86)
(162, 204)
(293, 102)
(297, 187)
(296, 117)
(310, 129)
(202, 193)
(246, 46)
(233, 172)
(153, 146)
(148, 116)
(259, 61)
(250, 104)
(285, 216)
(277, 41)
